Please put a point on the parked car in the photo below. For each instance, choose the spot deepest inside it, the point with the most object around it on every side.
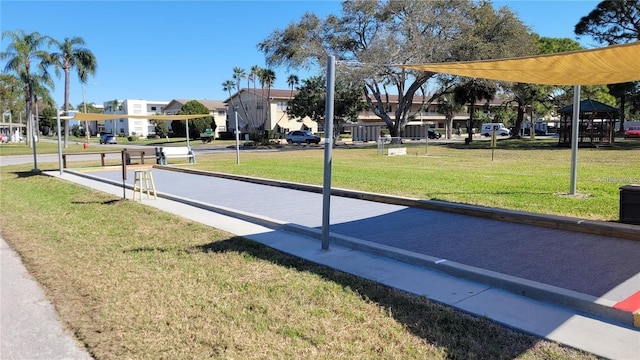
(433, 134)
(302, 136)
(108, 139)
(537, 132)
(632, 131)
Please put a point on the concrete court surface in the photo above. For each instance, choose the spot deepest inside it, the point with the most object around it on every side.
(599, 266)
(185, 194)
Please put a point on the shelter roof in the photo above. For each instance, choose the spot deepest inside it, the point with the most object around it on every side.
(608, 65)
(589, 105)
(90, 117)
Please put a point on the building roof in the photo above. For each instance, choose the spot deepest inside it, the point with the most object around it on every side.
(211, 105)
(274, 94)
(281, 94)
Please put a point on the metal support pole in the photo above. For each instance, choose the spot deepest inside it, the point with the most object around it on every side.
(34, 127)
(59, 142)
(187, 124)
(328, 146)
(575, 127)
(235, 112)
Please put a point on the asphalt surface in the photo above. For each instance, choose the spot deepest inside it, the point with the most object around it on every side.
(571, 280)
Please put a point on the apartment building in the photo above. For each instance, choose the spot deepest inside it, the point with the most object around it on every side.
(124, 126)
(264, 110)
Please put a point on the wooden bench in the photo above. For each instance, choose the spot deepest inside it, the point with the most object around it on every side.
(101, 153)
(165, 153)
(139, 154)
(132, 153)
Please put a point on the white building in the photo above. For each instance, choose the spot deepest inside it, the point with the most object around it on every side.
(132, 127)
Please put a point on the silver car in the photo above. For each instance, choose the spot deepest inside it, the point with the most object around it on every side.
(108, 139)
(302, 136)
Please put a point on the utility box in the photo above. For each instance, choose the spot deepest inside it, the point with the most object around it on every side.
(630, 204)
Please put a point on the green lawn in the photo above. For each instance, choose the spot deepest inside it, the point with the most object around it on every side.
(133, 282)
(523, 175)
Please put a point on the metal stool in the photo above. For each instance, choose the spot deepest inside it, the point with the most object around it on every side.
(143, 182)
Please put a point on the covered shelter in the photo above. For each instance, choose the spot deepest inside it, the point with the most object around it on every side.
(596, 124)
(609, 65)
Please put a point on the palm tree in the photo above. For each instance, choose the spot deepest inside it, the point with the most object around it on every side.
(267, 78)
(25, 55)
(228, 86)
(470, 92)
(448, 107)
(72, 55)
(238, 75)
(115, 107)
(292, 81)
(255, 76)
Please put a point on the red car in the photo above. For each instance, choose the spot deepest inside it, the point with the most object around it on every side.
(632, 131)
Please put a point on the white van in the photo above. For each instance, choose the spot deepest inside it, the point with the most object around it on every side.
(489, 128)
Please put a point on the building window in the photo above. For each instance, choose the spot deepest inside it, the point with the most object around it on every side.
(259, 106)
(282, 106)
(153, 108)
(222, 112)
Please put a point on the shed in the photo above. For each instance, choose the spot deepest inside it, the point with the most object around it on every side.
(596, 124)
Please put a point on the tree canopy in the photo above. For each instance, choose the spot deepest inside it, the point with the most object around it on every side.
(612, 22)
(616, 22)
(371, 36)
(197, 125)
(310, 101)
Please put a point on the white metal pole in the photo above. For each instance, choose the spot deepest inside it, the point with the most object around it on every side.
(575, 124)
(187, 124)
(59, 142)
(34, 129)
(328, 145)
(235, 112)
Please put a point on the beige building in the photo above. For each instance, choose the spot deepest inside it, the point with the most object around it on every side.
(264, 110)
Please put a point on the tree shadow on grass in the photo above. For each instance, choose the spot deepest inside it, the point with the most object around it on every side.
(26, 174)
(463, 335)
(106, 202)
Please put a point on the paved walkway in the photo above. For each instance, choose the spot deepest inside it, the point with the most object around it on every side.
(477, 265)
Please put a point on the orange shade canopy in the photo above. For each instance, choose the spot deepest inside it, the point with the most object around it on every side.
(91, 117)
(608, 65)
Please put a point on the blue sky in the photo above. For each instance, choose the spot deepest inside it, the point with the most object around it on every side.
(161, 50)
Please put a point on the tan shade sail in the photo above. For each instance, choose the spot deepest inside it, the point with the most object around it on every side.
(90, 117)
(609, 65)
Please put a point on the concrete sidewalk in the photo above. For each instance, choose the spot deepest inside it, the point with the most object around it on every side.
(186, 195)
(29, 327)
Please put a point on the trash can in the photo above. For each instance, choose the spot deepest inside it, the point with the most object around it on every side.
(630, 204)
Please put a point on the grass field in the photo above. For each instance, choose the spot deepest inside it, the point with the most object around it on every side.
(133, 282)
(522, 175)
